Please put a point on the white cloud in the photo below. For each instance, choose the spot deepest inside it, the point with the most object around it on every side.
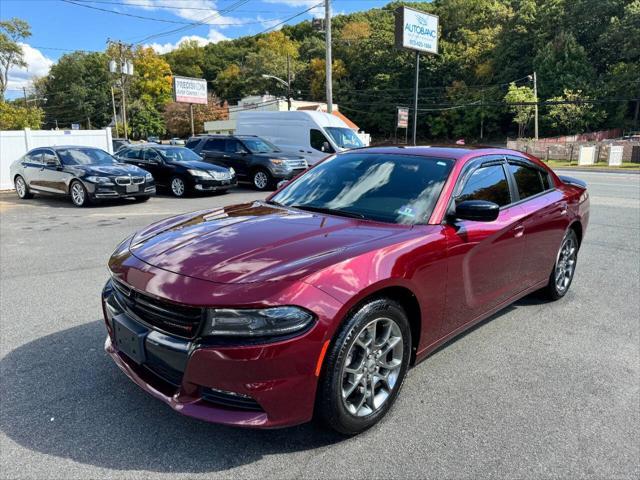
(37, 66)
(207, 11)
(316, 12)
(213, 37)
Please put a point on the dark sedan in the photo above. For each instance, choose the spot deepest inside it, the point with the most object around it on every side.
(179, 169)
(86, 174)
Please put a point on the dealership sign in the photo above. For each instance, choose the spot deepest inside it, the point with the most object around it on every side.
(416, 30)
(190, 90)
(403, 117)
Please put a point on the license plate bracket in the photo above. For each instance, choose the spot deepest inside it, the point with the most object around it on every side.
(132, 188)
(130, 337)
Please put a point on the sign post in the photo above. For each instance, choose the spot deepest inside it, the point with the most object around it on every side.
(190, 90)
(418, 31)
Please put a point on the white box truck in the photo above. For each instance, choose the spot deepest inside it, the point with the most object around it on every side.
(313, 135)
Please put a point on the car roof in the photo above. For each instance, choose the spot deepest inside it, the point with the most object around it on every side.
(442, 151)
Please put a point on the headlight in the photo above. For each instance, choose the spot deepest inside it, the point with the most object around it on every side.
(148, 177)
(256, 322)
(200, 173)
(278, 161)
(100, 180)
(232, 171)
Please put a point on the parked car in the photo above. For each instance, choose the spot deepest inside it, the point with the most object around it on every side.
(86, 174)
(317, 300)
(176, 141)
(153, 139)
(314, 135)
(118, 143)
(253, 158)
(179, 169)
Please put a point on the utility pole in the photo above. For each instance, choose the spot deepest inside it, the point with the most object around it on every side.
(125, 68)
(415, 97)
(535, 95)
(288, 82)
(193, 132)
(56, 120)
(24, 91)
(115, 115)
(328, 58)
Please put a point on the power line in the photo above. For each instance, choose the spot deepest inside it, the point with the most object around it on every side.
(165, 6)
(164, 20)
(288, 19)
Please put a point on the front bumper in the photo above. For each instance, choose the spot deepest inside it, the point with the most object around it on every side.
(266, 385)
(285, 173)
(98, 191)
(203, 185)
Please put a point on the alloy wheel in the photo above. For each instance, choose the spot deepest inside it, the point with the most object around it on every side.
(177, 187)
(566, 264)
(21, 187)
(260, 180)
(77, 194)
(372, 367)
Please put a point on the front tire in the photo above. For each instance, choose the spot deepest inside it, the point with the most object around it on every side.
(564, 267)
(261, 180)
(22, 190)
(178, 187)
(365, 367)
(79, 194)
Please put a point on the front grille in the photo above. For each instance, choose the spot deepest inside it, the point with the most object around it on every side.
(129, 180)
(164, 316)
(230, 400)
(221, 175)
(297, 164)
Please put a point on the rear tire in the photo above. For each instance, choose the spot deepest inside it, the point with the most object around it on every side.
(79, 194)
(262, 180)
(370, 353)
(22, 189)
(564, 268)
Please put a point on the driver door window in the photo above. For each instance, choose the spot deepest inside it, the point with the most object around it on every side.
(487, 183)
(319, 142)
(151, 156)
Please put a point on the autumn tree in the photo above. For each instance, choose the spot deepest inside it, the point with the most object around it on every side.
(18, 117)
(178, 120)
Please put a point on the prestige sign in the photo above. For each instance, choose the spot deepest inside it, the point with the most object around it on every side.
(190, 90)
(416, 30)
(403, 117)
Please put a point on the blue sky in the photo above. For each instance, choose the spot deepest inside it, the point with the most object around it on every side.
(59, 26)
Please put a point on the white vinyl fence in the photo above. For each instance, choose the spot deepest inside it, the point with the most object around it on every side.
(15, 143)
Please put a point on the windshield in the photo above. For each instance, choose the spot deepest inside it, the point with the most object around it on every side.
(179, 154)
(383, 187)
(258, 145)
(344, 137)
(85, 156)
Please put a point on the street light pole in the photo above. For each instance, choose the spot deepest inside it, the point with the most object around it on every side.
(328, 60)
(288, 82)
(535, 95)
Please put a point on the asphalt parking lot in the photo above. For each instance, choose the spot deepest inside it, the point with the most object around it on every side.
(540, 390)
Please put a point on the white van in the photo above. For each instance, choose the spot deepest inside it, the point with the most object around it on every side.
(313, 135)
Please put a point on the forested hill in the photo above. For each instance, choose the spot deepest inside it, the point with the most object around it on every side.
(581, 50)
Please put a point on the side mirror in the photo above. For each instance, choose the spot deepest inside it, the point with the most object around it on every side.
(51, 163)
(477, 210)
(282, 184)
(325, 147)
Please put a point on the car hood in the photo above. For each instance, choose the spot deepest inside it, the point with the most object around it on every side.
(202, 166)
(255, 243)
(117, 169)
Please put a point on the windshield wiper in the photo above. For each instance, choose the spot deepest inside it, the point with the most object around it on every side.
(330, 211)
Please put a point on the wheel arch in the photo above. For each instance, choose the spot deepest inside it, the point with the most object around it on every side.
(408, 300)
(576, 226)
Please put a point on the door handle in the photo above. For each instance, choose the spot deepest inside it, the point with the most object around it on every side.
(226, 156)
(518, 231)
(563, 208)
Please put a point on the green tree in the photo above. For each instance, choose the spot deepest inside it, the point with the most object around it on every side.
(576, 116)
(18, 117)
(522, 114)
(187, 60)
(12, 32)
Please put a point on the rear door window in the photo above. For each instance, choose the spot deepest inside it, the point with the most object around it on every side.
(487, 183)
(232, 146)
(528, 180)
(151, 155)
(133, 153)
(214, 145)
(35, 156)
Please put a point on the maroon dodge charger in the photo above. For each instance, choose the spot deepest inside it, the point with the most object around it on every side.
(316, 301)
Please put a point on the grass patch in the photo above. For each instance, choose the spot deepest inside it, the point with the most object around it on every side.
(600, 165)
